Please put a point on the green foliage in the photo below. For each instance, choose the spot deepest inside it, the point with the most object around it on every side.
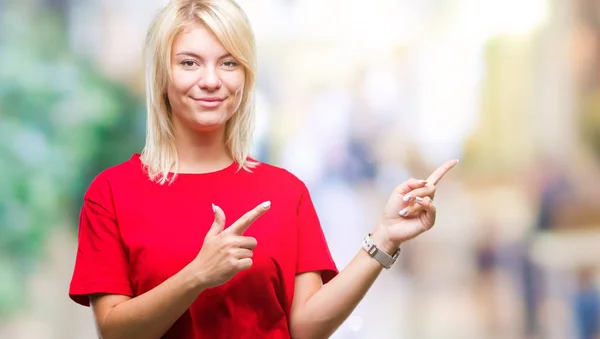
(61, 122)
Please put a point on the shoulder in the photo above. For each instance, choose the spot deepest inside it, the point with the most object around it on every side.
(278, 176)
(107, 179)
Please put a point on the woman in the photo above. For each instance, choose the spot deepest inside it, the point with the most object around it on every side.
(157, 256)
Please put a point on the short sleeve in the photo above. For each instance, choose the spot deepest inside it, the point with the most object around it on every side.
(313, 251)
(101, 264)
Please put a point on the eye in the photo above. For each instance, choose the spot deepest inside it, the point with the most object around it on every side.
(230, 63)
(188, 63)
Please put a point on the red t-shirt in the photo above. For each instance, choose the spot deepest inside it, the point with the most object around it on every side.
(134, 234)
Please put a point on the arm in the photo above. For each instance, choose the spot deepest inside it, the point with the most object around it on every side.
(149, 315)
(318, 310)
(224, 253)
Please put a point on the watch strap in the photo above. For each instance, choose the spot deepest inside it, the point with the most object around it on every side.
(382, 257)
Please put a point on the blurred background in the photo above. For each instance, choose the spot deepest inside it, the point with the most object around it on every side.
(354, 97)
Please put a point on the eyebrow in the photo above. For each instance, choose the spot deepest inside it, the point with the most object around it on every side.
(196, 56)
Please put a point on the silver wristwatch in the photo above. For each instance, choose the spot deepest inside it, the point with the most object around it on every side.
(383, 258)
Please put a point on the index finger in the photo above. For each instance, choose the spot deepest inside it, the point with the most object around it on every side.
(241, 225)
(439, 173)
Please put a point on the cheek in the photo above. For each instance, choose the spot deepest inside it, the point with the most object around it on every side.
(235, 85)
(233, 80)
(182, 82)
(239, 93)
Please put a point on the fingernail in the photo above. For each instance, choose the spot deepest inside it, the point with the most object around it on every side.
(406, 197)
(403, 212)
(419, 199)
(214, 209)
(266, 204)
(423, 181)
(457, 161)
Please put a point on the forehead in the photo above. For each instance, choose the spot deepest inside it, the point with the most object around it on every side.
(198, 39)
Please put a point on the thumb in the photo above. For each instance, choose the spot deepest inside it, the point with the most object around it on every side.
(219, 223)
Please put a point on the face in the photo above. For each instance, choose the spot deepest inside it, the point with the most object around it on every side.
(207, 82)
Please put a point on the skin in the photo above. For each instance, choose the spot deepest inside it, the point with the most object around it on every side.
(318, 310)
(201, 69)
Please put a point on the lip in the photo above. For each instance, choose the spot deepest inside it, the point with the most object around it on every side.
(209, 102)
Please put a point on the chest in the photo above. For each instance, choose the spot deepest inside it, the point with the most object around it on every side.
(164, 230)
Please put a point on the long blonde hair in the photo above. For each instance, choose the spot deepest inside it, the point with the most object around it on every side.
(230, 25)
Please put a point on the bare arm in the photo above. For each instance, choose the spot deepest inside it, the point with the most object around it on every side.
(149, 315)
(317, 310)
(224, 253)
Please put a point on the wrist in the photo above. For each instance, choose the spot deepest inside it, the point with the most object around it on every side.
(193, 280)
(386, 260)
(382, 240)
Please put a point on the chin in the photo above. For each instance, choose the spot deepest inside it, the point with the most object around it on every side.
(209, 126)
(209, 119)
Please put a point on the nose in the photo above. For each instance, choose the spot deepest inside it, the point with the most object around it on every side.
(209, 79)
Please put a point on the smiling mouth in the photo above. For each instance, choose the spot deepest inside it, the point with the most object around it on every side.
(209, 102)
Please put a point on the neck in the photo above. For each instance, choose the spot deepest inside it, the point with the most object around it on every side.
(201, 152)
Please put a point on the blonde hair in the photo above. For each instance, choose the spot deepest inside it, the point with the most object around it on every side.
(229, 24)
